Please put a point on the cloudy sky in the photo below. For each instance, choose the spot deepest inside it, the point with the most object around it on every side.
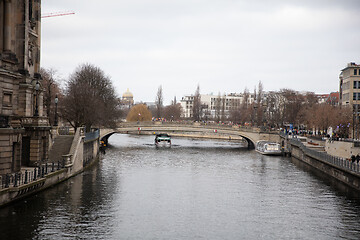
(222, 45)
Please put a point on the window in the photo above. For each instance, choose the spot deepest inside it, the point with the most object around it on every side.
(7, 99)
(356, 84)
(356, 96)
(355, 71)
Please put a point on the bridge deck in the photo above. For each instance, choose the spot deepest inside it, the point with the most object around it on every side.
(251, 135)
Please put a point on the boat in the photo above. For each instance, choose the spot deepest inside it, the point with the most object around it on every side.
(268, 148)
(162, 139)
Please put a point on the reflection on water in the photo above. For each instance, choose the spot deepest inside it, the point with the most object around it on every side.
(194, 190)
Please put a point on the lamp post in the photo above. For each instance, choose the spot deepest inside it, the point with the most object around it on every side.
(356, 124)
(56, 115)
(139, 117)
(37, 87)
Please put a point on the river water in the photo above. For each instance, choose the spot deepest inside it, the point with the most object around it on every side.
(194, 190)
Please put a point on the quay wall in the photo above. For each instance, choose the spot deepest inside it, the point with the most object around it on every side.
(342, 149)
(335, 167)
(84, 152)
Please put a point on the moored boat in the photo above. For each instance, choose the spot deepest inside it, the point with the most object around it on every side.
(162, 139)
(268, 148)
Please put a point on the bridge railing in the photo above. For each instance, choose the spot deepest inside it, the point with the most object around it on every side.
(92, 136)
(343, 163)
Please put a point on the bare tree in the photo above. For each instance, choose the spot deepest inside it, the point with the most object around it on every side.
(259, 104)
(244, 108)
(90, 98)
(293, 105)
(322, 116)
(275, 109)
(218, 107)
(174, 102)
(197, 105)
(159, 102)
(51, 90)
(234, 110)
(223, 108)
(172, 112)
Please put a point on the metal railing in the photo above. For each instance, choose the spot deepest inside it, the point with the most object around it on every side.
(91, 136)
(29, 175)
(342, 163)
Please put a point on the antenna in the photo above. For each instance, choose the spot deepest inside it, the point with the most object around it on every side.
(57, 14)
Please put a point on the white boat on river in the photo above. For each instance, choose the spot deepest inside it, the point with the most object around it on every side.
(162, 139)
(268, 148)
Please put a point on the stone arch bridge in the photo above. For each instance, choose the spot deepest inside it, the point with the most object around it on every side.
(193, 130)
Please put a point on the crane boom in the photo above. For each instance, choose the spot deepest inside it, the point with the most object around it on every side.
(56, 14)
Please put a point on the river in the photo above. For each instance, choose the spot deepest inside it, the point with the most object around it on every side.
(194, 190)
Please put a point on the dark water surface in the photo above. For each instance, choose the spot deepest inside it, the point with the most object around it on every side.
(194, 190)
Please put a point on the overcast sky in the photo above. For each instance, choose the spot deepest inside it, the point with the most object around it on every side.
(222, 45)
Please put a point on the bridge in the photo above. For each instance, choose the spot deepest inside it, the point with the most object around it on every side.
(194, 130)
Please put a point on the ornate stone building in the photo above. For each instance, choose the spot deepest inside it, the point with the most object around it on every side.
(127, 99)
(24, 130)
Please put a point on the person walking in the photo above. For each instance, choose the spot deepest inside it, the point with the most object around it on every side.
(353, 158)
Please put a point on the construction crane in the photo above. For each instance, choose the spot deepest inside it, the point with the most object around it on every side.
(56, 14)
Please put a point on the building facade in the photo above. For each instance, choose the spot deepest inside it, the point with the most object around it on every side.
(24, 129)
(214, 106)
(127, 100)
(350, 85)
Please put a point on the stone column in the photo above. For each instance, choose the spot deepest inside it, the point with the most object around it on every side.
(7, 25)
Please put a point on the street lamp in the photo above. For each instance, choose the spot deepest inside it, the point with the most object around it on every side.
(56, 115)
(37, 87)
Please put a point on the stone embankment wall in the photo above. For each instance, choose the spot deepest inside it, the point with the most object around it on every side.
(336, 167)
(342, 148)
(83, 152)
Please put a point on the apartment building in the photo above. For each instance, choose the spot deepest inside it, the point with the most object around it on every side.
(350, 85)
(213, 106)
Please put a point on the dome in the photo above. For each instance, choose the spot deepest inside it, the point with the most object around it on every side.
(127, 94)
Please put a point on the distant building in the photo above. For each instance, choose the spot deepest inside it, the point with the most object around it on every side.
(213, 106)
(332, 98)
(321, 98)
(349, 93)
(127, 100)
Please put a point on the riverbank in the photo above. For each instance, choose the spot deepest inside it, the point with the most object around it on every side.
(314, 155)
(83, 153)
